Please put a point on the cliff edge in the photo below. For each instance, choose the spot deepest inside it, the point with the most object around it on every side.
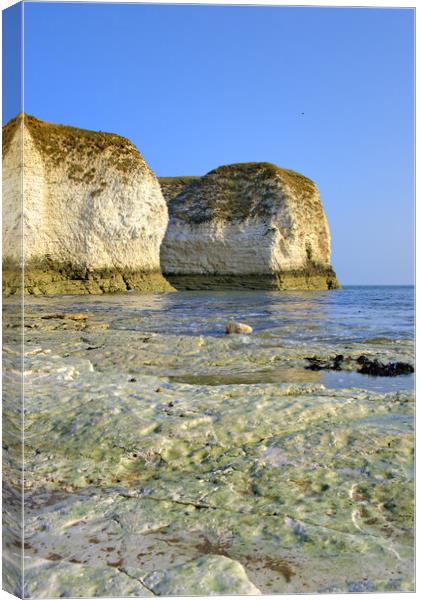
(93, 215)
(246, 225)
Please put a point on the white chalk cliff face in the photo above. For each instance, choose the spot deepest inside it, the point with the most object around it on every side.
(93, 211)
(247, 225)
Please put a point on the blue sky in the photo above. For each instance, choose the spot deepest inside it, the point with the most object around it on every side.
(195, 87)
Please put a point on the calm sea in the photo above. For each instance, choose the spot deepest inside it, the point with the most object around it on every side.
(336, 318)
(353, 313)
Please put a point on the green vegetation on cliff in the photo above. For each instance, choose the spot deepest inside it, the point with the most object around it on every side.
(298, 183)
(233, 192)
(8, 132)
(63, 143)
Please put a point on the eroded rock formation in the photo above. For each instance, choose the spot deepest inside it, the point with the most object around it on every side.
(90, 210)
(247, 225)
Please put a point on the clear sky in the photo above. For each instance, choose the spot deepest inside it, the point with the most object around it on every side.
(195, 87)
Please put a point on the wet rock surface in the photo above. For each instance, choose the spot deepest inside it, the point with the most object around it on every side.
(233, 327)
(363, 365)
(316, 364)
(376, 367)
(168, 463)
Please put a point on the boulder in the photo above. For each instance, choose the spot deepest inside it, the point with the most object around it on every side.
(247, 225)
(235, 327)
(90, 209)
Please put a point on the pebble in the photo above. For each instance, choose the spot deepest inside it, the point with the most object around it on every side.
(235, 327)
(76, 316)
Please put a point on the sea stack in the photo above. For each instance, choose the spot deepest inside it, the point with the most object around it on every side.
(90, 210)
(246, 226)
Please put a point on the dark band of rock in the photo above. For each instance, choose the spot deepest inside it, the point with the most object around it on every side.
(292, 280)
(68, 280)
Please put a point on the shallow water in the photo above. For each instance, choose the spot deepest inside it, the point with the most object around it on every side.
(352, 314)
(162, 453)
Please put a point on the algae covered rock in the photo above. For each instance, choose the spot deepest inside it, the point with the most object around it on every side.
(66, 580)
(90, 209)
(243, 455)
(209, 575)
(247, 225)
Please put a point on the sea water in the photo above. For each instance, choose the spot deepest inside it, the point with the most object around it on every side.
(160, 450)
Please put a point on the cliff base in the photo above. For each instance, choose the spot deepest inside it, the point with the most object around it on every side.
(303, 279)
(67, 279)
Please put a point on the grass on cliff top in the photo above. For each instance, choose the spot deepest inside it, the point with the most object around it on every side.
(9, 131)
(225, 197)
(58, 143)
(237, 192)
(183, 179)
(298, 183)
(171, 187)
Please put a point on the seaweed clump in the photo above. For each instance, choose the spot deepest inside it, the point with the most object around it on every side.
(376, 367)
(367, 366)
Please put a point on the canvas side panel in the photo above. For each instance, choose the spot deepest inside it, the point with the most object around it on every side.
(12, 326)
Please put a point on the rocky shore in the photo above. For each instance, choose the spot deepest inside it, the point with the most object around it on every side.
(168, 463)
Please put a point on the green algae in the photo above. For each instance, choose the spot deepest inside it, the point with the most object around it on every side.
(131, 472)
(47, 277)
(67, 580)
(313, 277)
(208, 575)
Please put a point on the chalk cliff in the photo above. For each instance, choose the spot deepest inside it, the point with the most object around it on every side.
(90, 209)
(247, 225)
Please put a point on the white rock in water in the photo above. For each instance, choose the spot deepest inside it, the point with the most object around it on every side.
(235, 327)
(91, 205)
(247, 225)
